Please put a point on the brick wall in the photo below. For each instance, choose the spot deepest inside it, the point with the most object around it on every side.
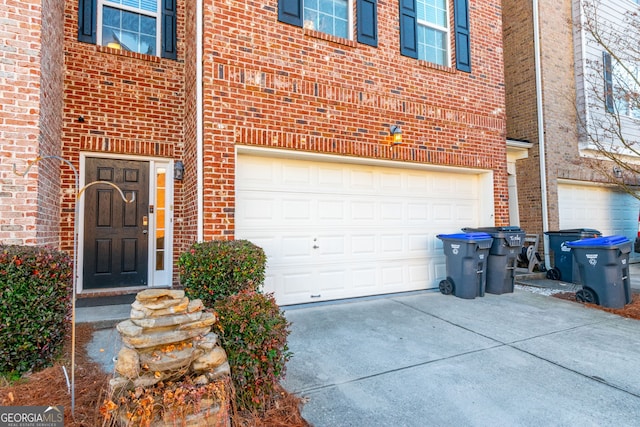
(276, 85)
(20, 94)
(120, 103)
(522, 121)
(562, 155)
(50, 123)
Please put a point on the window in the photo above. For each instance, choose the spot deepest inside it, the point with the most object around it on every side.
(433, 31)
(332, 17)
(129, 25)
(425, 32)
(142, 26)
(327, 16)
(622, 87)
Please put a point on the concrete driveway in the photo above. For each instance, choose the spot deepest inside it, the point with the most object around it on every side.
(427, 359)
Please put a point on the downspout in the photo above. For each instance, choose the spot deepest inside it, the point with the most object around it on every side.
(541, 138)
(199, 126)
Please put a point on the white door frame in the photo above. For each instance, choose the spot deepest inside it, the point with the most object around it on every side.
(163, 278)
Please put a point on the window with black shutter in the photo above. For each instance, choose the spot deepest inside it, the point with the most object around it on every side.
(133, 25)
(332, 17)
(425, 32)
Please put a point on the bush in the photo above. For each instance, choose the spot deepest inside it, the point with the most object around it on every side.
(253, 332)
(219, 268)
(35, 290)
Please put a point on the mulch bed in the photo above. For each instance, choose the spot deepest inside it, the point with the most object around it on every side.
(631, 310)
(49, 388)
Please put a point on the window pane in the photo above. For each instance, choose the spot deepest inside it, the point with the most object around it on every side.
(148, 5)
(111, 17)
(147, 25)
(433, 12)
(327, 16)
(432, 45)
(131, 31)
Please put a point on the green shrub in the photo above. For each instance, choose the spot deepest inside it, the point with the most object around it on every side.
(219, 268)
(253, 331)
(35, 291)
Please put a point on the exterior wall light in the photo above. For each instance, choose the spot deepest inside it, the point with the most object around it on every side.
(178, 170)
(617, 172)
(396, 134)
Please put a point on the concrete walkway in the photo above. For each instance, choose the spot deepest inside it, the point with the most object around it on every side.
(427, 359)
(518, 359)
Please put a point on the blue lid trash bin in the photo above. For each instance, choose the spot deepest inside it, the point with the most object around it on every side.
(466, 259)
(563, 266)
(503, 257)
(603, 266)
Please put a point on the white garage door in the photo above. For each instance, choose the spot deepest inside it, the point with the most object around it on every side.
(602, 208)
(335, 230)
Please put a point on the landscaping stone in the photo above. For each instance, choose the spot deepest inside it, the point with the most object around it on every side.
(167, 338)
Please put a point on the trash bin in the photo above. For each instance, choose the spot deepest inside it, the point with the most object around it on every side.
(466, 258)
(564, 268)
(603, 266)
(503, 257)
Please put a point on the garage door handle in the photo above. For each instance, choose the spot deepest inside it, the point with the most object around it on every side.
(315, 246)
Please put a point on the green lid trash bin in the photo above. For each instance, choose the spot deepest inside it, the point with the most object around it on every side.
(466, 259)
(603, 266)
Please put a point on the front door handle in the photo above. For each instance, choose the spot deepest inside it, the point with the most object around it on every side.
(145, 221)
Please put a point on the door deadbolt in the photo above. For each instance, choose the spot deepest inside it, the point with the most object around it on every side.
(145, 220)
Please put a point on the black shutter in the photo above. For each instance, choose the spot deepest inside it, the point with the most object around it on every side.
(463, 42)
(608, 82)
(169, 29)
(408, 29)
(87, 15)
(367, 11)
(290, 12)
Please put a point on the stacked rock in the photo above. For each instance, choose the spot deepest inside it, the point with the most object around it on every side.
(166, 338)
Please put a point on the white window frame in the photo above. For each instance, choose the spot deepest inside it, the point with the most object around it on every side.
(349, 20)
(447, 34)
(157, 15)
(624, 108)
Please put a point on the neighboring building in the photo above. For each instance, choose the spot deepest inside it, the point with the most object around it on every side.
(575, 187)
(281, 113)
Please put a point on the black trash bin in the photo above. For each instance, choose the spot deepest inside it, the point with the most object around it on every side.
(466, 258)
(564, 268)
(603, 266)
(503, 257)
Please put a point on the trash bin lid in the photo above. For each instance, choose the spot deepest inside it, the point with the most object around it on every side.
(469, 237)
(586, 231)
(598, 242)
(507, 228)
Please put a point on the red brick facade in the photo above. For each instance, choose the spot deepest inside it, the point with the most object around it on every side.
(272, 84)
(120, 102)
(31, 94)
(265, 83)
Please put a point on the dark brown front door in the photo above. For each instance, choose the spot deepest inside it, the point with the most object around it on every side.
(115, 232)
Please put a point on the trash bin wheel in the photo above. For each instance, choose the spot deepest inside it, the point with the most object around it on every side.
(554, 274)
(446, 287)
(586, 295)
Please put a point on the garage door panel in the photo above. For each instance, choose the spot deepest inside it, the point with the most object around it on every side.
(602, 208)
(392, 276)
(296, 248)
(363, 245)
(391, 244)
(374, 227)
(331, 245)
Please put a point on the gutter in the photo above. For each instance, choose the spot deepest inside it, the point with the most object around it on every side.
(541, 137)
(199, 127)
